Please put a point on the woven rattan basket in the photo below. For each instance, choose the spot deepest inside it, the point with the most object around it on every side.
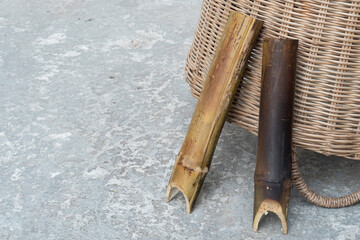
(327, 101)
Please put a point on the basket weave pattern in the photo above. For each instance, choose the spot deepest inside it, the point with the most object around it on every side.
(327, 100)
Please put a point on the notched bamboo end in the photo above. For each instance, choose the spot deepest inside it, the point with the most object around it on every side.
(188, 181)
(270, 205)
(272, 197)
(172, 190)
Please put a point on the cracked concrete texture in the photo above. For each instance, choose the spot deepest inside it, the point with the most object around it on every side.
(94, 108)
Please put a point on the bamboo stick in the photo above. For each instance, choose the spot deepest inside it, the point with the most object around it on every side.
(273, 164)
(193, 161)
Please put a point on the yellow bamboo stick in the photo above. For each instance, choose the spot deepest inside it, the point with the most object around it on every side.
(226, 70)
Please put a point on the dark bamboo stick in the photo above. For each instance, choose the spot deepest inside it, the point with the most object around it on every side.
(194, 159)
(273, 164)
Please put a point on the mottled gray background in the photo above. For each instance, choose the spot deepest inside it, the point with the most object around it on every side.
(94, 108)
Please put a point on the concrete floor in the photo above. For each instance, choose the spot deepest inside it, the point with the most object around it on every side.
(94, 109)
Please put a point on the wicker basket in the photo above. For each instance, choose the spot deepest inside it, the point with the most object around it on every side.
(327, 102)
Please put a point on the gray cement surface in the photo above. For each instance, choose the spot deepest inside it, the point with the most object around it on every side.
(94, 109)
